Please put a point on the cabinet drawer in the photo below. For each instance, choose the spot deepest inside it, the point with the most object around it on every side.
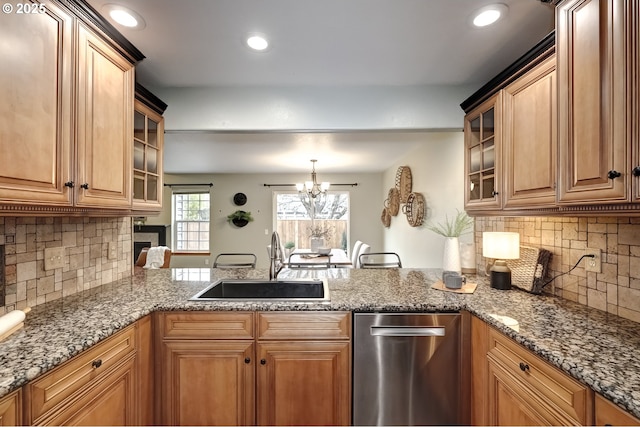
(553, 386)
(204, 325)
(58, 385)
(330, 325)
(608, 414)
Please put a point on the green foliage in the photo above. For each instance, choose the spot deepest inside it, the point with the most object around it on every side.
(240, 215)
(455, 228)
(289, 245)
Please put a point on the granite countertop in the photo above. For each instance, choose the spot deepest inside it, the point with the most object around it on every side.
(597, 349)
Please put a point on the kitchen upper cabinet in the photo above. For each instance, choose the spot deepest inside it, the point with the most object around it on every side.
(529, 138)
(105, 129)
(36, 108)
(66, 120)
(148, 145)
(483, 155)
(597, 40)
(510, 138)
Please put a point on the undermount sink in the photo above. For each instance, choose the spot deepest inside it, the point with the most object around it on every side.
(265, 290)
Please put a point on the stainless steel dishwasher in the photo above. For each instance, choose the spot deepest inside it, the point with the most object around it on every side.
(407, 369)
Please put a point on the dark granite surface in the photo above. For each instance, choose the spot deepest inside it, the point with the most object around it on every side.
(598, 349)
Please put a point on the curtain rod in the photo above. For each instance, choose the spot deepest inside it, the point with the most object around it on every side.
(188, 185)
(355, 184)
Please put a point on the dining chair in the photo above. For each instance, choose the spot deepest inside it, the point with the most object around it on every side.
(380, 260)
(364, 249)
(235, 260)
(141, 261)
(355, 252)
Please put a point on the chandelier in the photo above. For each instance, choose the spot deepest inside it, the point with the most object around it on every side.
(312, 188)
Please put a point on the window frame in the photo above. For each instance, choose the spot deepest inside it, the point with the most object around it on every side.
(174, 224)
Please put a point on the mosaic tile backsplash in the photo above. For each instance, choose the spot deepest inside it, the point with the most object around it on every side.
(86, 264)
(615, 290)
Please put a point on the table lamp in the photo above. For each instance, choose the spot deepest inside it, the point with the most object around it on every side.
(500, 245)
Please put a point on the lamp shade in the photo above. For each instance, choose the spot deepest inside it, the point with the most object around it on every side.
(500, 245)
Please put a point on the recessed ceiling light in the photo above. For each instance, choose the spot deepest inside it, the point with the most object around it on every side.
(257, 42)
(489, 14)
(124, 16)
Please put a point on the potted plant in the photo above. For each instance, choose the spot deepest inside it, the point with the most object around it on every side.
(452, 230)
(240, 218)
(288, 248)
(319, 236)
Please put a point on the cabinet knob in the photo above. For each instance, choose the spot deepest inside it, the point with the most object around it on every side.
(636, 171)
(494, 193)
(613, 174)
(524, 367)
(96, 363)
(85, 186)
(69, 184)
(247, 360)
(263, 361)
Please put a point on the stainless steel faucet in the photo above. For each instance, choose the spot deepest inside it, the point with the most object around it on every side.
(275, 257)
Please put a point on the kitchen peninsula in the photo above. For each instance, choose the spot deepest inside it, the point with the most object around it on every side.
(595, 348)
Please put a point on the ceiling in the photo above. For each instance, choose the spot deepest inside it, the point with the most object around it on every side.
(315, 43)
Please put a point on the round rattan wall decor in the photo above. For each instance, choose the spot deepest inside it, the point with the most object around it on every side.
(385, 218)
(404, 182)
(414, 209)
(393, 201)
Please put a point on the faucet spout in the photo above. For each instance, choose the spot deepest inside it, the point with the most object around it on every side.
(275, 256)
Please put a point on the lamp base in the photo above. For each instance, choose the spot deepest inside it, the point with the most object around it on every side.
(500, 275)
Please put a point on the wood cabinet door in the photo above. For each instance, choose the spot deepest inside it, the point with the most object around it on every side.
(36, 80)
(593, 119)
(530, 138)
(510, 404)
(111, 401)
(208, 382)
(608, 414)
(483, 156)
(148, 141)
(104, 124)
(11, 409)
(304, 383)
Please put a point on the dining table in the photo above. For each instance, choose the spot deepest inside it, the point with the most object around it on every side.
(302, 258)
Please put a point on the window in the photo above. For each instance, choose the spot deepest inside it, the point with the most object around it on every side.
(297, 214)
(191, 222)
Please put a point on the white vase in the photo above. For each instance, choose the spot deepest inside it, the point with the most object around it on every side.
(316, 243)
(451, 255)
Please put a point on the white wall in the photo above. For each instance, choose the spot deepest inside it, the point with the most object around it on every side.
(314, 108)
(437, 171)
(365, 211)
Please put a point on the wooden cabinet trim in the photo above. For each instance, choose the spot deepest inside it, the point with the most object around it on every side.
(308, 325)
(206, 325)
(11, 409)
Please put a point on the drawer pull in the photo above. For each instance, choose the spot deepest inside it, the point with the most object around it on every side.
(524, 367)
(613, 174)
(263, 361)
(84, 186)
(69, 184)
(247, 360)
(96, 363)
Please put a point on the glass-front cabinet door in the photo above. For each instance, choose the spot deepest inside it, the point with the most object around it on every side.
(148, 136)
(482, 155)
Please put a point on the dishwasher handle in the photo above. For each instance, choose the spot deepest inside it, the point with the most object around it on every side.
(407, 331)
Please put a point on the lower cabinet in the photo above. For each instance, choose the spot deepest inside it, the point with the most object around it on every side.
(103, 385)
(608, 414)
(245, 368)
(11, 409)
